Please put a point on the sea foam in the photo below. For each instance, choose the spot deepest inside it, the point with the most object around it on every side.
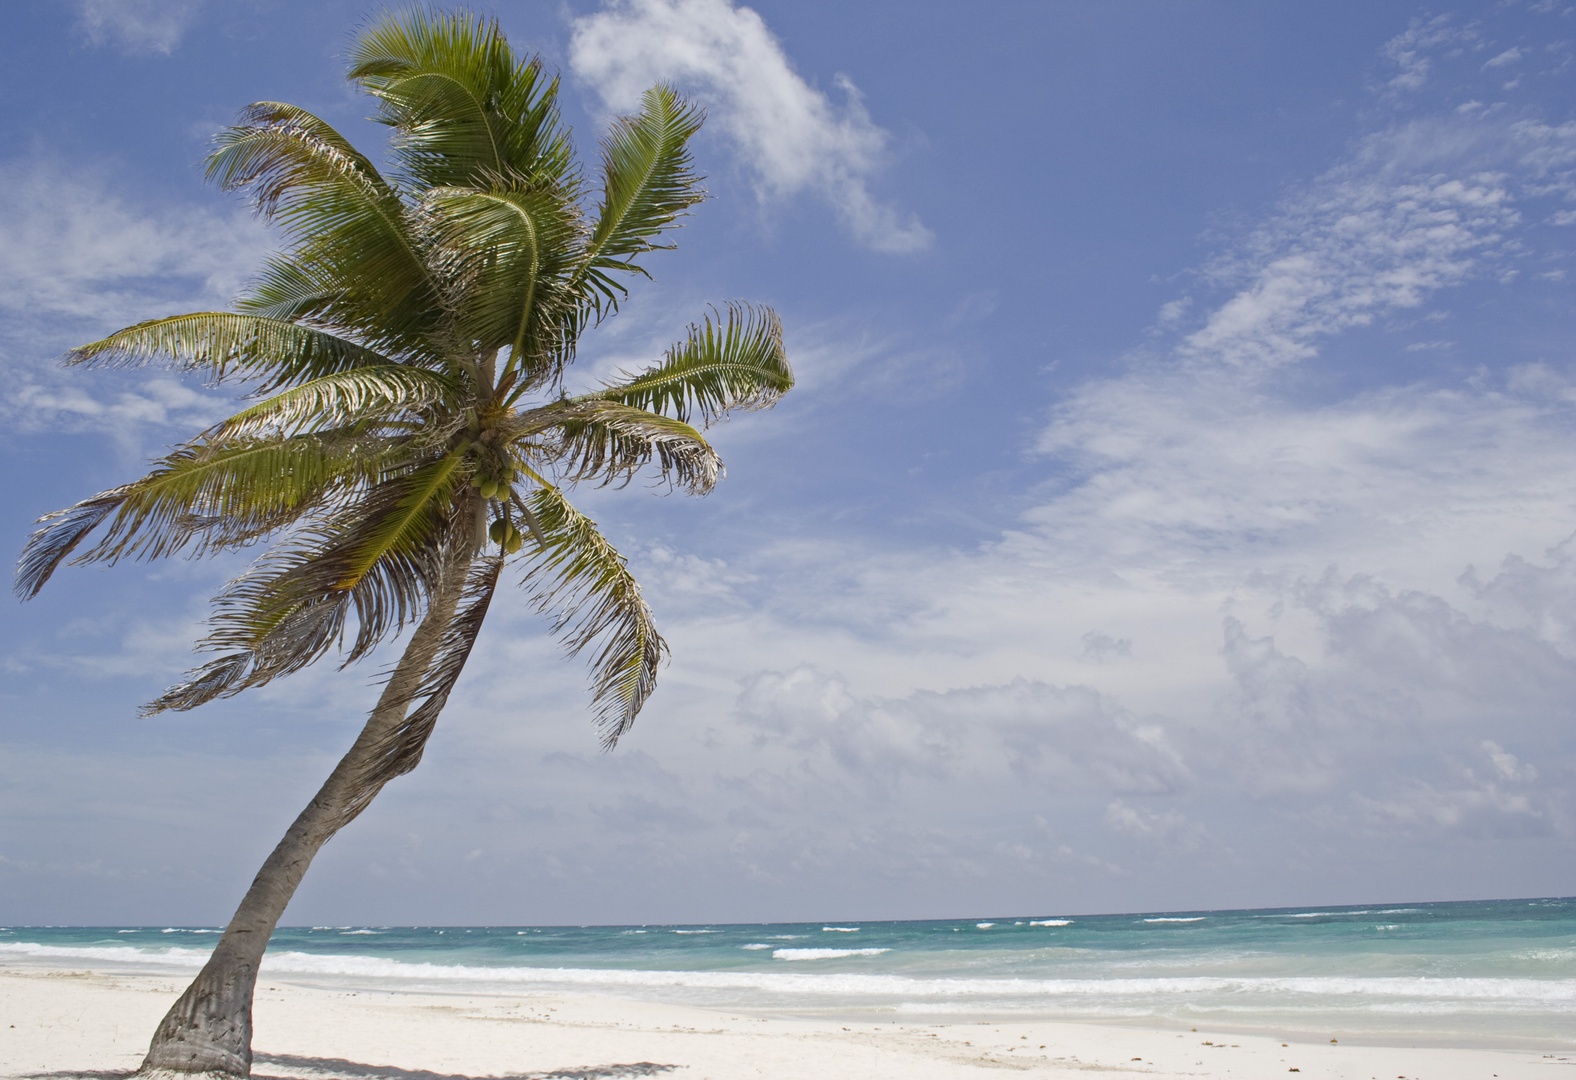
(1559, 993)
(823, 954)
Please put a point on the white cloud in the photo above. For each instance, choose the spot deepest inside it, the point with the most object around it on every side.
(78, 260)
(790, 135)
(1355, 245)
(1408, 50)
(1509, 56)
(138, 26)
(73, 249)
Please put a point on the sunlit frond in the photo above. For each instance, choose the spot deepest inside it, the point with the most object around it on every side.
(254, 153)
(465, 111)
(352, 232)
(734, 364)
(203, 497)
(609, 442)
(221, 344)
(505, 254)
(647, 184)
(584, 582)
(385, 392)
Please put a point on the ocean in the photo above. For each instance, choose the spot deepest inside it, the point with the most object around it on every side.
(1499, 972)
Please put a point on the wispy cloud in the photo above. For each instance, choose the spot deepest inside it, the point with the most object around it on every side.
(137, 26)
(788, 133)
(1410, 50)
(77, 260)
(1354, 247)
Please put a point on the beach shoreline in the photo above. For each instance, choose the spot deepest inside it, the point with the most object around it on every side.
(60, 1021)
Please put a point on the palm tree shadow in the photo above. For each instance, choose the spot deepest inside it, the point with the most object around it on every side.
(317, 1068)
(337, 1068)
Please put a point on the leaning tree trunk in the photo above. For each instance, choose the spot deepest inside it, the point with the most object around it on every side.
(209, 1030)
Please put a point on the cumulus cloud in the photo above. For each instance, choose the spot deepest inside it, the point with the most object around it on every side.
(790, 135)
(137, 26)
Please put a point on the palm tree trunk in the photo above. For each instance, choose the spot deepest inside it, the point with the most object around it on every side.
(209, 1030)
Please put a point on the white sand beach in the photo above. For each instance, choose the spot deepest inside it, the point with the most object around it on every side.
(81, 1021)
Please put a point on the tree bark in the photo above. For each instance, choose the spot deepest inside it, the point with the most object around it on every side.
(209, 1029)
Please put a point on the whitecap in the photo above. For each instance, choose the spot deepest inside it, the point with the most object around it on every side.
(1050, 922)
(1318, 914)
(983, 925)
(840, 929)
(1173, 918)
(349, 932)
(694, 931)
(823, 954)
(755, 945)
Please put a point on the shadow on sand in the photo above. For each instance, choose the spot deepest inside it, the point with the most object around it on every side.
(290, 1067)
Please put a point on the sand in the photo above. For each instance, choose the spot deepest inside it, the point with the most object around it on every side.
(63, 1022)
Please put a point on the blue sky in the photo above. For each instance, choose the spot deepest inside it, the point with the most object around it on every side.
(1177, 508)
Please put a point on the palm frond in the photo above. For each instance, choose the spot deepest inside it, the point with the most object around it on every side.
(466, 112)
(299, 600)
(400, 750)
(203, 497)
(385, 392)
(610, 442)
(280, 618)
(584, 582)
(505, 254)
(63, 531)
(734, 364)
(647, 184)
(288, 291)
(220, 344)
(409, 516)
(250, 153)
(353, 235)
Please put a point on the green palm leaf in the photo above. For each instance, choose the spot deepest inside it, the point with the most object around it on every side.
(579, 577)
(352, 231)
(410, 516)
(384, 393)
(610, 442)
(505, 254)
(203, 497)
(647, 184)
(737, 364)
(465, 110)
(219, 344)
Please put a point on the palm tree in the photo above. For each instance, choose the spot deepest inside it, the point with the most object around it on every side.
(409, 432)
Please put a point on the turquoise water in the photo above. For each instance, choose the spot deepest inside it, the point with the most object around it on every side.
(1499, 972)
